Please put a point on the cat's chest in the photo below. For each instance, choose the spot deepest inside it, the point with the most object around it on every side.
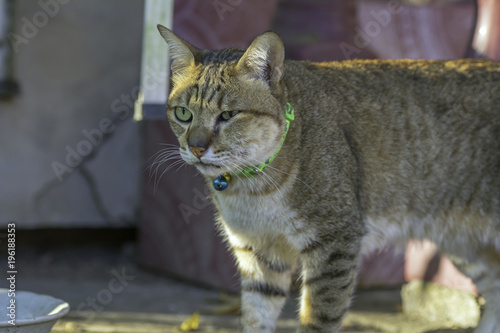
(257, 215)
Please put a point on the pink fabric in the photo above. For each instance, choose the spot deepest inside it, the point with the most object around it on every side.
(382, 268)
(416, 32)
(316, 30)
(218, 24)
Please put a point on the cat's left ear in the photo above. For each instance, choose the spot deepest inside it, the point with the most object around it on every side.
(264, 59)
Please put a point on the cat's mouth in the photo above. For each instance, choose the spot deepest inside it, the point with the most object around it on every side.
(208, 165)
(209, 169)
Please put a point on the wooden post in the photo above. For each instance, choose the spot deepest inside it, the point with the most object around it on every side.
(152, 96)
(8, 86)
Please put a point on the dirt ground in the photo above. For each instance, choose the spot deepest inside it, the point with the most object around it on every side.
(109, 292)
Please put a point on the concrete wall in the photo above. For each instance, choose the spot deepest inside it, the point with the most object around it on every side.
(69, 150)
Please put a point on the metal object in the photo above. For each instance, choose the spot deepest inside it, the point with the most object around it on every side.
(8, 85)
(221, 182)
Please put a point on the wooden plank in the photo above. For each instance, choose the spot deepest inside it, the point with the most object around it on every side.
(132, 322)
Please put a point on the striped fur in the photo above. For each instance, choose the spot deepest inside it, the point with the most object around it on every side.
(379, 151)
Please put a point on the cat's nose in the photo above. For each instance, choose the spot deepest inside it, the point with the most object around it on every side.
(198, 151)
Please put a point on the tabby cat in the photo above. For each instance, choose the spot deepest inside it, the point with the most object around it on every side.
(312, 164)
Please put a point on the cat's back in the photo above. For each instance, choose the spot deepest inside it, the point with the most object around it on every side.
(400, 68)
(398, 105)
(360, 80)
(399, 100)
(388, 103)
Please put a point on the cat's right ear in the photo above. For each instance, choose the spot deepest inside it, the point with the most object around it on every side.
(181, 52)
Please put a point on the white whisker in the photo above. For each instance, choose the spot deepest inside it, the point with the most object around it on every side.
(157, 179)
(171, 155)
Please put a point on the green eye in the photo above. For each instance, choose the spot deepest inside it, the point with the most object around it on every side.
(226, 115)
(183, 114)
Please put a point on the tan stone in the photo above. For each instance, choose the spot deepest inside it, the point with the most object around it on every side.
(436, 303)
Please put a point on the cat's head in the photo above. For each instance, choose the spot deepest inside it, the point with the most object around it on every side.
(226, 107)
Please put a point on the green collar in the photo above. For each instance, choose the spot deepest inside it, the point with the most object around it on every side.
(222, 181)
(253, 171)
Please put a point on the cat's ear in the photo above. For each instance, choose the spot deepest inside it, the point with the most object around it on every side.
(181, 52)
(264, 59)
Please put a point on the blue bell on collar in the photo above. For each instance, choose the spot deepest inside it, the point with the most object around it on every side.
(221, 182)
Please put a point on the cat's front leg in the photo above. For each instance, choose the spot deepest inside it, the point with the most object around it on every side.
(329, 267)
(266, 271)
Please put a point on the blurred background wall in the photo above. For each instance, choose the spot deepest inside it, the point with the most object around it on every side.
(70, 155)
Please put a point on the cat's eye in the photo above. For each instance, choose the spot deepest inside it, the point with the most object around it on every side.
(183, 114)
(226, 115)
